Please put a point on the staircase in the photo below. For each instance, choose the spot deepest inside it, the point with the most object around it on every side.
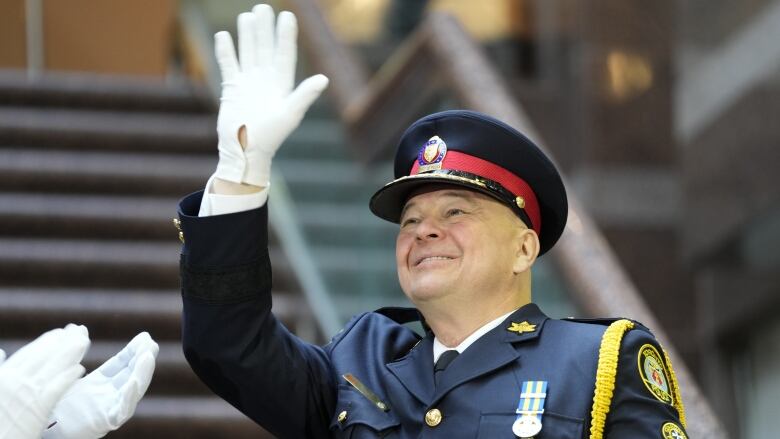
(352, 249)
(91, 169)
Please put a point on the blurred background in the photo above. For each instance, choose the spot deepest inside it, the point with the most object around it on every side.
(663, 117)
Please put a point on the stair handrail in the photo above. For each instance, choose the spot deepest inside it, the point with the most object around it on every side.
(282, 218)
(452, 58)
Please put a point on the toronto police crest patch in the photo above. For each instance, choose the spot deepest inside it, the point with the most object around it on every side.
(670, 430)
(654, 374)
(431, 154)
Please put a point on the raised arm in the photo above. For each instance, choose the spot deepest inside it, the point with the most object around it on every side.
(230, 337)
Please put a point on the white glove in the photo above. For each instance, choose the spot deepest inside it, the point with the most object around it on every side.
(258, 93)
(34, 378)
(106, 398)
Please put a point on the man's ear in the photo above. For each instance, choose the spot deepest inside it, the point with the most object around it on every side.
(527, 250)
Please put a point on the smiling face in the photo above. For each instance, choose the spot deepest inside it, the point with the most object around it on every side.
(462, 248)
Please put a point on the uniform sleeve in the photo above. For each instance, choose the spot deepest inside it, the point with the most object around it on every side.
(230, 336)
(644, 403)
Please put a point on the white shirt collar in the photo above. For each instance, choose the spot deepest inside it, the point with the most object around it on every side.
(439, 348)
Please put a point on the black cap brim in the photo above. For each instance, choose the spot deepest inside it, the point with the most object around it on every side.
(388, 202)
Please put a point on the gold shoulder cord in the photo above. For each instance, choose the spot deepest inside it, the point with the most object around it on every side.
(605, 375)
(678, 403)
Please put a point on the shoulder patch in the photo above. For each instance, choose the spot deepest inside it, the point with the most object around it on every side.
(670, 430)
(653, 372)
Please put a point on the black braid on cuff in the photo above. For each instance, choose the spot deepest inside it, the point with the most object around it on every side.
(225, 285)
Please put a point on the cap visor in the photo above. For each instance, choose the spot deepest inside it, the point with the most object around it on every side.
(389, 201)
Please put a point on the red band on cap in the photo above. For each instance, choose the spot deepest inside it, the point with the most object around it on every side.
(458, 161)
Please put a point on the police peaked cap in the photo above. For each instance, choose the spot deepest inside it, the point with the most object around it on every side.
(473, 150)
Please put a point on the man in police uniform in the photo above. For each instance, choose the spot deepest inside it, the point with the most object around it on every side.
(477, 202)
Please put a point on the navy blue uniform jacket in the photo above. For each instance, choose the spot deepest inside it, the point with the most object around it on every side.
(295, 390)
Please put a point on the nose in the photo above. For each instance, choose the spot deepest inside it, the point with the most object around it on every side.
(428, 229)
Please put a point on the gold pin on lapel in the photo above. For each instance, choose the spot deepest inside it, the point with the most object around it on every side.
(365, 391)
(521, 327)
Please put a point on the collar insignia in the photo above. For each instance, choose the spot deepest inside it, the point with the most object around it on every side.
(521, 327)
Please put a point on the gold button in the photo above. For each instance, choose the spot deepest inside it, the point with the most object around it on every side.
(520, 201)
(433, 417)
(342, 417)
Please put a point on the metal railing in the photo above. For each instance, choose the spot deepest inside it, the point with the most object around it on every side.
(376, 110)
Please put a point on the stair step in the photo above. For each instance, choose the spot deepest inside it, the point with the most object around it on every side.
(380, 286)
(334, 181)
(314, 139)
(111, 313)
(59, 262)
(348, 215)
(188, 418)
(107, 130)
(333, 172)
(348, 259)
(340, 224)
(87, 216)
(103, 172)
(102, 91)
(172, 374)
(79, 263)
(133, 131)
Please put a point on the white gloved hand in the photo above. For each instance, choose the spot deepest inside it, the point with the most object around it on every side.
(106, 398)
(34, 378)
(257, 93)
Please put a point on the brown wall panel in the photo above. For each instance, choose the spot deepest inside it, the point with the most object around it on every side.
(119, 36)
(12, 34)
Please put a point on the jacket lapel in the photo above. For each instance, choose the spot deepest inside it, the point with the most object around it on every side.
(492, 351)
(415, 370)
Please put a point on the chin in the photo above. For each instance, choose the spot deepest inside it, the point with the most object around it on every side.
(427, 292)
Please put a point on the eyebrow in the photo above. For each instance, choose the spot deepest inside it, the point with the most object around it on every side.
(463, 195)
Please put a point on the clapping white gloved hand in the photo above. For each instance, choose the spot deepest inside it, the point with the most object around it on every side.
(257, 93)
(106, 398)
(34, 378)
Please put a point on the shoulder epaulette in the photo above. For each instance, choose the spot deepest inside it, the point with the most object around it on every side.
(607, 321)
(606, 373)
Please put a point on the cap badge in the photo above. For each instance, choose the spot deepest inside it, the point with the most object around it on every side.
(521, 327)
(431, 155)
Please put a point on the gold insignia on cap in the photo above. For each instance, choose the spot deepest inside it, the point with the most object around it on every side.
(670, 430)
(431, 154)
(520, 201)
(653, 372)
(431, 151)
(521, 327)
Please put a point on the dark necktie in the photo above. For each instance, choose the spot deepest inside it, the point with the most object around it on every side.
(444, 360)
